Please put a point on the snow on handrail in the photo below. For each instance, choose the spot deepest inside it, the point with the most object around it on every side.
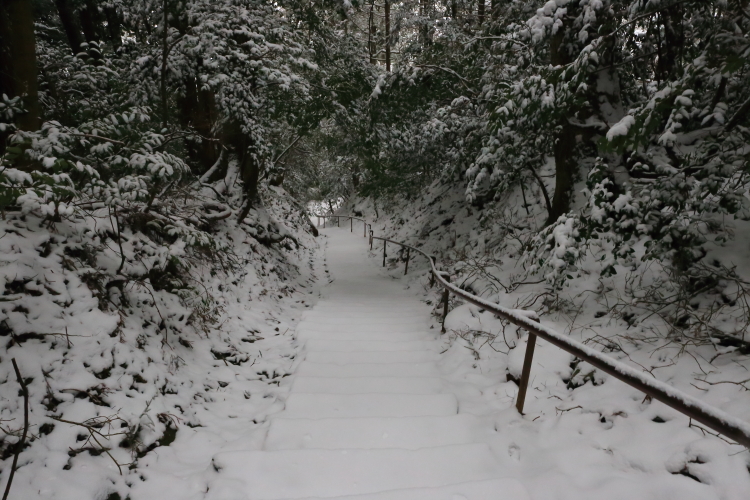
(351, 217)
(344, 216)
(710, 416)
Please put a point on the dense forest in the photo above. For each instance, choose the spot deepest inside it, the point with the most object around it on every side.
(158, 158)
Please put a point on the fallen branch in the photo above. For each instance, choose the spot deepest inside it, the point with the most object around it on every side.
(19, 444)
(93, 425)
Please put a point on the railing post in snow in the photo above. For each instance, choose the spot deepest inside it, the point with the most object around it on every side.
(371, 238)
(432, 275)
(364, 229)
(384, 244)
(338, 221)
(351, 224)
(526, 372)
(446, 296)
(406, 268)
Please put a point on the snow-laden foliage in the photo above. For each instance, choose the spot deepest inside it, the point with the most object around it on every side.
(621, 124)
(138, 212)
(600, 148)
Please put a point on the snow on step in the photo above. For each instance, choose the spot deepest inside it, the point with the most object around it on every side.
(364, 385)
(364, 326)
(287, 474)
(402, 305)
(405, 432)
(375, 320)
(340, 313)
(493, 489)
(309, 369)
(372, 357)
(306, 405)
(368, 345)
(357, 334)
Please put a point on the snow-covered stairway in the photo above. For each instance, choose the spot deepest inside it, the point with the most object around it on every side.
(366, 418)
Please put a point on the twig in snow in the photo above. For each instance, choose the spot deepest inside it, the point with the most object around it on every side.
(19, 444)
(563, 410)
(706, 431)
(93, 425)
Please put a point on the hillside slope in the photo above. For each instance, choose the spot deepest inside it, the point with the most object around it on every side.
(133, 385)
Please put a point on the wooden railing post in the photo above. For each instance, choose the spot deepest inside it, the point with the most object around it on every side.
(526, 371)
(446, 297)
(406, 267)
(371, 238)
(364, 229)
(351, 225)
(338, 221)
(384, 244)
(432, 275)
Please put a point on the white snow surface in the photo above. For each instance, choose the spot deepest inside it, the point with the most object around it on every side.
(584, 434)
(365, 399)
(210, 390)
(360, 422)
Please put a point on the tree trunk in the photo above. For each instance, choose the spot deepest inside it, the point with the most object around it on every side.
(565, 167)
(70, 24)
(480, 12)
(387, 35)
(197, 110)
(163, 73)
(668, 63)
(89, 16)
(18, 71)
(565, 137)
(371, 34)
(423, 29)
(114, 26)
(249, 171)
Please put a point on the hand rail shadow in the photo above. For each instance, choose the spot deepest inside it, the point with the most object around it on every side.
(710, 416)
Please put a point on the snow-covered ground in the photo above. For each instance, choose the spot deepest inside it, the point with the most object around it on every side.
(368, 410)
(385, 407)
(359, 396)
(584, 434)
(112, 385)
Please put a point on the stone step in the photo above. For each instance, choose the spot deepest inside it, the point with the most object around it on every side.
(337, 357)
(368, 385)
(368, 345)
(309, 405)
(354, 333)
(288, 474)
(374, 319)
(492, 489)
(337, 433)
(309, 369)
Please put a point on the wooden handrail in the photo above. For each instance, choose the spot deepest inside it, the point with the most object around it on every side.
(710, 416)
(350, 217)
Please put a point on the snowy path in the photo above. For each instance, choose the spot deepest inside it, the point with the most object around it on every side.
(366, 418)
